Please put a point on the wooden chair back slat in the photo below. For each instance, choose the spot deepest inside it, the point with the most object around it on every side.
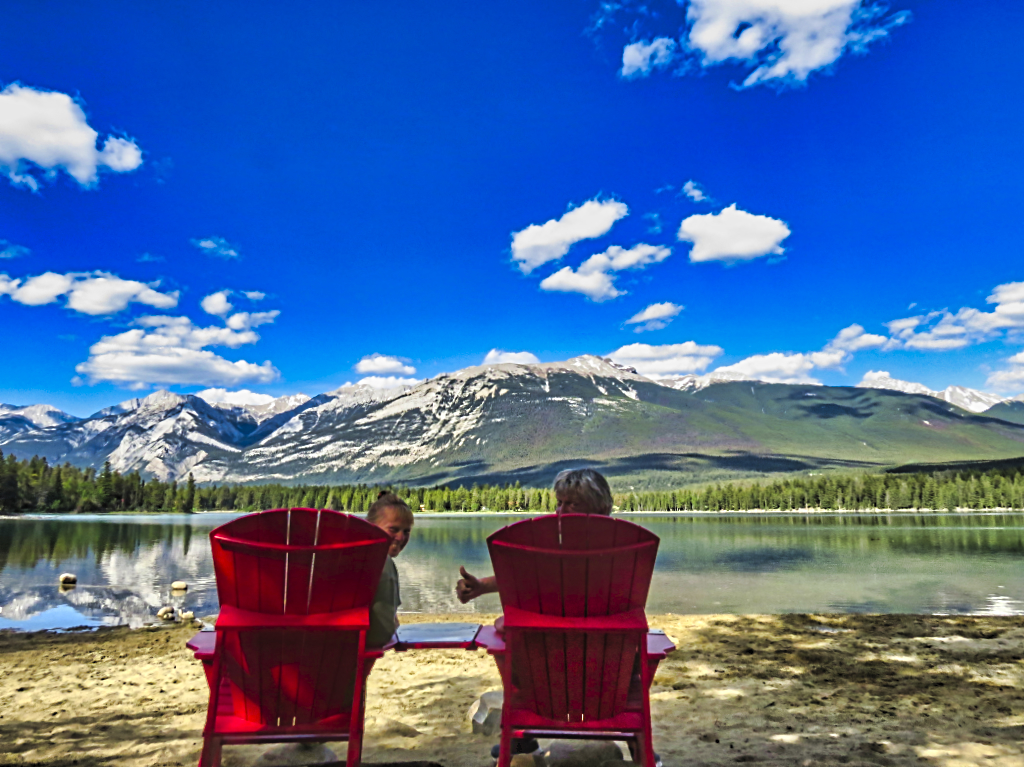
(544, 566)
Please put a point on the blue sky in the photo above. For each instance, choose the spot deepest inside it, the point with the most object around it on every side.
(397, 190)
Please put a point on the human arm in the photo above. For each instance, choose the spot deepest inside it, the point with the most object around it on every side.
(470, 587)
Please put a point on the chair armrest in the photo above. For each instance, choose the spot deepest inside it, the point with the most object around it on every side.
(203, 644)
(237, 619)
(490, 639)
(634, 620)
(378, 652)
(658, 645)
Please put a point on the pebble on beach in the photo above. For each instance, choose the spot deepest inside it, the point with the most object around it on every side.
(179, 586)
(68, 579)
(165, 613)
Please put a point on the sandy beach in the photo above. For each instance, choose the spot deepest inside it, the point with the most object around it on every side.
(774, 690)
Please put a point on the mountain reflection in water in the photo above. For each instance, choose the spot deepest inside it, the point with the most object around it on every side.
(731, 563)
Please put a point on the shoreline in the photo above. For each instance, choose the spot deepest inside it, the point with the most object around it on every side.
(770, 689)
(525, 514)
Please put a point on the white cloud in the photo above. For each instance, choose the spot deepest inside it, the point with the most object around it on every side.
(497, 356)
(11, 250)
(254, 295)
(594, 277)
(775, 368)
(217, 247)
(387, 382)
(172, 350)
(1011, 379)
(784, 40)
(667, 359)
(732, 235)
(694, 191)
(147, 258)
(654, 317)
(945, 330)
(246, 320)
(49, 130)
(94, 293)
(539, 243)
(217, 303)
(239, 398)
(639, 58)
(854, 339)
(382, 363)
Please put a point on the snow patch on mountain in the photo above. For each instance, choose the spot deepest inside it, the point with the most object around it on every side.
(693, 382)
(972, 400)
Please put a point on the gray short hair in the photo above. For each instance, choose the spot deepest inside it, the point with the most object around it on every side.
(587, 487)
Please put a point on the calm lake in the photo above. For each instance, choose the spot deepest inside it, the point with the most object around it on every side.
(729, 563)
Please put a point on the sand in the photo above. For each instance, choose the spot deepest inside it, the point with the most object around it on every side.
(771, 690)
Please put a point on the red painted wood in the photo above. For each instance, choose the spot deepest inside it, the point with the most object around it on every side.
(289, 655)
(574, 653)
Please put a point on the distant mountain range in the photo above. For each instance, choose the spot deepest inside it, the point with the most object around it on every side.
(516, 422)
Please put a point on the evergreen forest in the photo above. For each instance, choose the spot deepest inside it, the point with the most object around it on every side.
(33, 485)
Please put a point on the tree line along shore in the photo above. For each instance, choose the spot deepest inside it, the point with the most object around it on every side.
(32, 485)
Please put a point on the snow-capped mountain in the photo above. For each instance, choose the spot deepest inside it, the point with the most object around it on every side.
(162, 435)
(508, 422)
(15, 419)
(969, 399)
(697, 382)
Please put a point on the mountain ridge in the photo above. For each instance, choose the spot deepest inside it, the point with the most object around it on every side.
(513, 421)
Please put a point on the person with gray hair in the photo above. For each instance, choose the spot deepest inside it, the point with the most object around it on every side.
(578, 491)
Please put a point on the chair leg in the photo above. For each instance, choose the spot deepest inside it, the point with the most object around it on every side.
(645, 745)
(505, 747)
(210, 755)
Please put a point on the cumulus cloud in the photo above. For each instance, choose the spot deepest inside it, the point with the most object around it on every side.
(639, 58)
(94, 293)
(667, 359)
(172, 350)
(1009, 379)
(796, 368)
(694, 191)
(217, 303)
(540, 243)
(11, 250)
(654, 317)
(784, 40)
(497, 356)
(595, 279)
(387, 382)
(48, 130)
(945, 330)
(240, 398)
(775, 368)
(854, 339)
(382, 363)
(217, 247)
(732, 235)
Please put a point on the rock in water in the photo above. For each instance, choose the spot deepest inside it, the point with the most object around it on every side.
(581, 753)
(165, 613)
(485, 713)
(68, 579)
(186, 615)
(295, 754)
(179, 586)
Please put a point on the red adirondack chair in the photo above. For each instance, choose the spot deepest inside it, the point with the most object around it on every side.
(576, 659)
(289, 660)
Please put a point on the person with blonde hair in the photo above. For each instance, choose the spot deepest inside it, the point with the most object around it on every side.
(392, 515)
(578, 491)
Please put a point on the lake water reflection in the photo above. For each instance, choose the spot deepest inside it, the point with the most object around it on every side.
(730, 563)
